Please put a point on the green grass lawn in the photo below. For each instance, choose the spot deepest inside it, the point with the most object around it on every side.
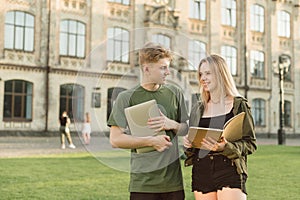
(273, 174)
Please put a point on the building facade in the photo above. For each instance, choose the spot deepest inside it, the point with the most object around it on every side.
(77, 55)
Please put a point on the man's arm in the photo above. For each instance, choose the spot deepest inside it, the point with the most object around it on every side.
(164, 123)
(120, 140)
(181, 129)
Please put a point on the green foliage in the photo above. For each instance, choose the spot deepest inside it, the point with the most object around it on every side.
(273, 174)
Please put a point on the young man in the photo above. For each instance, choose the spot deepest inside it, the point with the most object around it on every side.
(157, 174)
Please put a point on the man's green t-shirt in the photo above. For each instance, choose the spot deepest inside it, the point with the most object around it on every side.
(154, 172)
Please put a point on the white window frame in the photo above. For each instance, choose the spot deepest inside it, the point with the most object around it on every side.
(19, 31)
(72, 38)
(118, 45)
(162, 39)
(197, 51)
(257, 64)
(257, 18)
(284, 24)
(259, 110)
(229, 12)
(230, 55)
(198, 9)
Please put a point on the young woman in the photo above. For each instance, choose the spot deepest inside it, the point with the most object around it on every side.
(86, 129)
(221, 171)
(65, 130)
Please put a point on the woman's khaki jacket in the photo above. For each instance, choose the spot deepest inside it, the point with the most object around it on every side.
(238, 150)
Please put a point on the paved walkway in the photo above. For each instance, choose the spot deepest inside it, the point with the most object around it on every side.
(19, 146)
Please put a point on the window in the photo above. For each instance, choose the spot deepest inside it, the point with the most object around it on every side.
(162, 39)
(19, 31)
(257, 18)
(257, 64)
(197, 51)
(230, 55)
(229, 12)
(284, 24)
(198, 9)
(259, 110)
(118, 45)
(125, 2)
(72, 101)
(287, 113)
(72, 38)
(17, 100)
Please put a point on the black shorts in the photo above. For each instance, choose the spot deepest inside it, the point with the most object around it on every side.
(177, 195)
(213, 172)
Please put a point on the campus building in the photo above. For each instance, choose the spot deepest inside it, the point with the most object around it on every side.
(77, 55)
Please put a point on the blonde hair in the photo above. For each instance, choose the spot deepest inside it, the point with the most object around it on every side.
(152, 53)
(225, 82)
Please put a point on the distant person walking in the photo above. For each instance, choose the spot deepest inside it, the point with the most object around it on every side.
(65, 130)
(86, 129)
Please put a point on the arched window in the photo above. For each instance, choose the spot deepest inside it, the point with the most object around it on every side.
(284, 24)
(72, 38)
(259, 110)
(118, 45)
(19, 31)
(257, 18)
(198, 9)
(72, 101)
(230, 55)
(17, 100)
(197, 51)
(162, 39)
(257, 64)
(229, 12)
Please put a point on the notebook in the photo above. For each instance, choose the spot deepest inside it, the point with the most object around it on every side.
(232, 131)
(137, 117)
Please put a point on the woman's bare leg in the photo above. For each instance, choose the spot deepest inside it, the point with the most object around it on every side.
(206, 196)
(231, 193)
